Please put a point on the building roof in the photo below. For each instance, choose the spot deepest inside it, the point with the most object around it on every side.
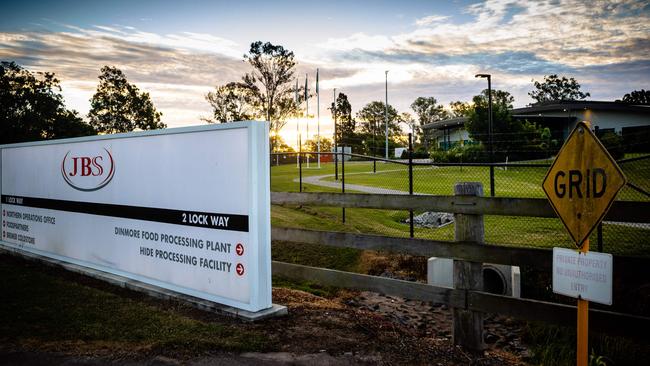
(444, 124)
(546, 107)
(572, 105)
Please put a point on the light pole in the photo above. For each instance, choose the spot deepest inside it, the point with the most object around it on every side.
(386, 115)
(489, 80)
(318, 119)
(297, 123)
(336, 148)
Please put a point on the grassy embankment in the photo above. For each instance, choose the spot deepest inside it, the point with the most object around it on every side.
(60, 311)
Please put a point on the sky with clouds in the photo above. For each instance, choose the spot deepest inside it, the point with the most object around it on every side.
(178, 51)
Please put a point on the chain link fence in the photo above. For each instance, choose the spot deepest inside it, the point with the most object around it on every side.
(368, 174)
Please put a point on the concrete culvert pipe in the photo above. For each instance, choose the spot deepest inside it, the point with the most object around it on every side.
(493, 281)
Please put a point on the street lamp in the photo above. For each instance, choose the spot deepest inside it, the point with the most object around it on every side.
(386, 115)
(489, 80)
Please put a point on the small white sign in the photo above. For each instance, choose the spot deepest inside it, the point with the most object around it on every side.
(583, 275)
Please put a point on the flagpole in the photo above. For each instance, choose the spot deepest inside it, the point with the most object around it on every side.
(386, 115)
(297, 126)
(318, 118)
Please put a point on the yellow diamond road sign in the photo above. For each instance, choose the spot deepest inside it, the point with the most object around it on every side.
(582, 183)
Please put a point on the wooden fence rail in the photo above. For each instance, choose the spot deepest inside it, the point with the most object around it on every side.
(524, 309)
(621, 211)
(467, 299)
(537, 258)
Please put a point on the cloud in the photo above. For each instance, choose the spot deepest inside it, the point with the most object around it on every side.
(428, 20)
(605, 45)
(177, 70)
(515, 40)
(191, 41)
(359, 41)
(568, 33)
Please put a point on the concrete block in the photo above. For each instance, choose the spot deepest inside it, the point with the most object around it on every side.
(440, 272)
(516, 282)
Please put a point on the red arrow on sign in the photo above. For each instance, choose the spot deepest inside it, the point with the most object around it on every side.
(239, 249)
(240, 269)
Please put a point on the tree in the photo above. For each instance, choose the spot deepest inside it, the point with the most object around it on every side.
(31, 107)
(372, 126)
(372, 118)
(280, 144)
(345, 123)
(69, 124)
(459, 109)
(512, 138)
(230, 102)
(428, 110)
(555, 88)
(269, 84)
(326, 144)
(478, 123)
(639, 97)
(414, 127)
(119, 106)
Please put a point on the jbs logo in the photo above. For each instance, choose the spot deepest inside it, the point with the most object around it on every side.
(87, 171)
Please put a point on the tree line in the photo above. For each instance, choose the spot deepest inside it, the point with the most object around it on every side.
(268, 92)
(32, 107)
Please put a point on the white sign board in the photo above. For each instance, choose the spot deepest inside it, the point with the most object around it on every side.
(583, 275)
(187, 209)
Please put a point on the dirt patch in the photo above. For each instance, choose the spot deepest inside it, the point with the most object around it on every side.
(399, 266)
(434, 321)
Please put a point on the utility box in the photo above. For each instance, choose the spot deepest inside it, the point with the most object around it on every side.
(341, 150)
(399, 151)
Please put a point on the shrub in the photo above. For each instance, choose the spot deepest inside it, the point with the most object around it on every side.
(614, 144)
(461, 154)
(419, 153)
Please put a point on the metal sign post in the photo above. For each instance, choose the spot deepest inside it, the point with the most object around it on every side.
(582, 330)
(581, 185)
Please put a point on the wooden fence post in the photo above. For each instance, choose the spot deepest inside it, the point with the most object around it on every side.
(468, 325)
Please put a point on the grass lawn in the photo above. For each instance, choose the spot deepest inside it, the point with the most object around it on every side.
(61, 311)
(507, 230)
(510, 182)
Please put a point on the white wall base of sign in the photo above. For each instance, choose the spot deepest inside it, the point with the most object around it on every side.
(440, 272)
(151, 290)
